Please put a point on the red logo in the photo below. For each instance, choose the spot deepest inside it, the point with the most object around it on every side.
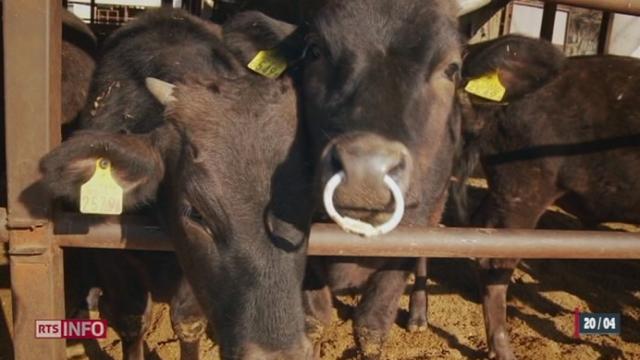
(71, 329)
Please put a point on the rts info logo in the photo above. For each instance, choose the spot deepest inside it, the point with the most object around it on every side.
(71, 329)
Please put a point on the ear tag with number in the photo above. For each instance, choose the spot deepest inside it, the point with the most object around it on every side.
(268, 63)
(101, 194)
(487, 86)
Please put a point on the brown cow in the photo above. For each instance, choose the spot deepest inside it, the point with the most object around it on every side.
(567, 132)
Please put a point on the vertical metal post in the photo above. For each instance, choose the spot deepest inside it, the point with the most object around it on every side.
(605, 29)
(92, 16)
(548, 20)
(32, 44)
(195, 7)
(504, 16)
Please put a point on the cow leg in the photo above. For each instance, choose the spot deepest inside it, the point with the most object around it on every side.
(418, 303)
(133, 331)
(495, 275)
(318, 303)
(188, 321)
(318, 306)
(518, 208)
(126, 300)
(378, 308)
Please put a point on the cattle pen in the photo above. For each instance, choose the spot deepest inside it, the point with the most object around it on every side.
(32, 47)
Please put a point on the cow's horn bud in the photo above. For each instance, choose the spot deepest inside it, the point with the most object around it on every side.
(161, 90)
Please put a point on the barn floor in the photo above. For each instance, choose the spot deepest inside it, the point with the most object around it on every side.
(543, 296)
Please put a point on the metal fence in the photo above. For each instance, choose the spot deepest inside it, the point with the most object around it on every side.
(32, 41)
(118, 12)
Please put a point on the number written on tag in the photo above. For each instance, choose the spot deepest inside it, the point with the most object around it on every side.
(101, 194)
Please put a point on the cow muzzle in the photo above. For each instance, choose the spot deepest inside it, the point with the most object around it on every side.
(365, 179)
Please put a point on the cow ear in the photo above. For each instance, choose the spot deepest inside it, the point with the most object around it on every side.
(135, 165)
(248, 32)
(522, 64)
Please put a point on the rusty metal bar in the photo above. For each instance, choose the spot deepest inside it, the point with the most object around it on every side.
(630, 7)
(548, 20)
(327, 239)
(4, 232)
(32, 46)
(114, 232)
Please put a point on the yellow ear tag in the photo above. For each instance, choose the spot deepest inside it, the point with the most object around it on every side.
(101, 194)
(487, 86)
(268, 63)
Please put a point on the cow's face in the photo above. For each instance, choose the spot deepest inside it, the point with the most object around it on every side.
(233, 195)
(379, 83)
(240, 194)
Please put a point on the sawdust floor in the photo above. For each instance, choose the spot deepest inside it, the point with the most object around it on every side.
(542, 299)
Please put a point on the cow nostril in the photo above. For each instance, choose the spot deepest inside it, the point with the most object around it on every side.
(397, 171)
(335, 162)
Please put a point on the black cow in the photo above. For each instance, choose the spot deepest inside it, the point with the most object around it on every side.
(379, 96)
(224, 166)
(566, 132)
(378, 82)
(126, 281)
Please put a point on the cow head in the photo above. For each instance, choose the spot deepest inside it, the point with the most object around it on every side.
(227, 172)
(379, 80)
(522, 64)
(244, 208)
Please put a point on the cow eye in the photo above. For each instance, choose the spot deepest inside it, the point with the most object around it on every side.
(196, 217)
(452, 71)
(313, 51)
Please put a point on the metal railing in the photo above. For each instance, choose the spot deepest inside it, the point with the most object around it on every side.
(140, 233)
